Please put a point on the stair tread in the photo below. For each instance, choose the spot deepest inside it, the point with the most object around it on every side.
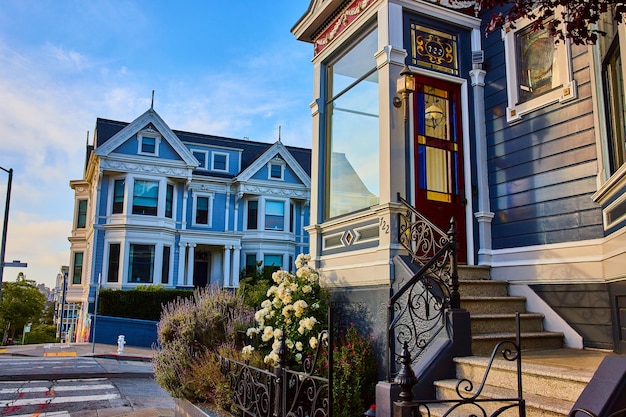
(511, 335)
(490, 298)
(504, 315)
(577, 375)
(533, 400)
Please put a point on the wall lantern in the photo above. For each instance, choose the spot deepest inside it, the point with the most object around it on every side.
(405, 86)
(434, 116)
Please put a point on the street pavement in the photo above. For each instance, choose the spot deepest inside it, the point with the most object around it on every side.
(80, 380)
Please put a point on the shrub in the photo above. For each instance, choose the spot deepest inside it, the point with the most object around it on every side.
(354, 374)
(151, 298)
(190, 331)
(41, 333)
(298, 306)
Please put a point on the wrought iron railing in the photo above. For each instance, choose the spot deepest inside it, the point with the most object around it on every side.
(416, 310)
(577, 412)
(468, 400)
(283, 392)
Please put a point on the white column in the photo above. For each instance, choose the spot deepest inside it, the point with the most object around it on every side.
(236, 266)
(181, 263)
(226, 281)
(227, 211)
(484, 214)
(190, 261)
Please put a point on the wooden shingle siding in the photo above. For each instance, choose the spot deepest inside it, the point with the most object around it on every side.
(542, 169)
(586, 307)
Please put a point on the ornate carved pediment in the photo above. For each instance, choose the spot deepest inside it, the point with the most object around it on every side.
(258, 189)
(127, 166)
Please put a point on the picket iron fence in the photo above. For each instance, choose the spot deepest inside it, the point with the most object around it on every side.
(283, 392)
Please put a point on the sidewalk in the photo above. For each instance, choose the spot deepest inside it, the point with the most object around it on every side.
(78, 349)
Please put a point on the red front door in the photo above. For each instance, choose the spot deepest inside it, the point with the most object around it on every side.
(439, 156)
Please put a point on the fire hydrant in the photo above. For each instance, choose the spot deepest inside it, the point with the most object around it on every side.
(120, 344)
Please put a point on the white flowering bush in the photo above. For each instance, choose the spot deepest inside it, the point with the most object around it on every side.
(297, 305)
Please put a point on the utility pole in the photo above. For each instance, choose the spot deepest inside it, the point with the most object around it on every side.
(5, 226)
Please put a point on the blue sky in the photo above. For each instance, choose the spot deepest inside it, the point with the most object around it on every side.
(225, 68)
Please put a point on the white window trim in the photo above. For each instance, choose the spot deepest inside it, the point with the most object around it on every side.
(206, 158)
(211, 197)
(148, 133)
(279, 162)
(565, 92)
(609, 208)
(213, 154)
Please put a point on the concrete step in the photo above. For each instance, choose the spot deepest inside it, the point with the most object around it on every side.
(490, 305)
(559, 382)
(482, 288)
(474, 272)
(536, 405)
(483, 344)
(499, 323)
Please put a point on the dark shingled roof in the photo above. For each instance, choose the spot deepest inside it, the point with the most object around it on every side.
(106, 129)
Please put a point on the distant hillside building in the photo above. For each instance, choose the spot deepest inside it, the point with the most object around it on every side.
(183, 210)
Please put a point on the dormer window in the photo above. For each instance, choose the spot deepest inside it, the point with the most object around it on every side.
(276, 169)
(219, 162)
(201, 156)
(148, 141)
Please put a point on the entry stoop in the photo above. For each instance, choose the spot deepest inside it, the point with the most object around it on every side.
(492, 314)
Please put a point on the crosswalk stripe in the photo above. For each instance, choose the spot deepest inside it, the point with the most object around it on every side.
(33, 381)
(62, 388)
(57, 400)
(45, 414)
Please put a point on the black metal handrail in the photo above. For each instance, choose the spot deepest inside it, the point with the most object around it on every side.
(416, 310)
(469, 399)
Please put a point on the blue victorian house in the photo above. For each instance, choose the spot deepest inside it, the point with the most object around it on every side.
(183, 210)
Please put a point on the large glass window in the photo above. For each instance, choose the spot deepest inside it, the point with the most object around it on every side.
(352, 170)
(613, 74)
(118, 196)
(274, 215)
(145, 197)
(114, 263)
(165, 268)
(202, 210)
(141, 264)
(169, 200)
(81, 217)
(253, 213)
(250, 264)
(78, 268)
(272, 262)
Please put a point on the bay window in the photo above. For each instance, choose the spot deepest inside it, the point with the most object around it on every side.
(141, 264)
(352, 148)
(114, 263)
(145, 197)
(274, 215)
(118, 196)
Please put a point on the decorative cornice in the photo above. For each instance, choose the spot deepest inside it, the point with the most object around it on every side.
(127, 166)
(341, 23)
(273, 191)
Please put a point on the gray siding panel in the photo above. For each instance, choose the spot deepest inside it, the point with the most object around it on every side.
(586, 307)
(542, 169)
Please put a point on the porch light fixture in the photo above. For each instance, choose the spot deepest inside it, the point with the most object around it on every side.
(434, 116)
(404, 87)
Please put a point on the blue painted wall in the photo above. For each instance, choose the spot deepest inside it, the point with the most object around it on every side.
(165, 149)
(140, 333)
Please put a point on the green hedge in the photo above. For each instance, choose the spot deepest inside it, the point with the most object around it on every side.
(142, 303)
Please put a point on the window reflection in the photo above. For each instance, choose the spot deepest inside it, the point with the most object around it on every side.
(352, 141)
